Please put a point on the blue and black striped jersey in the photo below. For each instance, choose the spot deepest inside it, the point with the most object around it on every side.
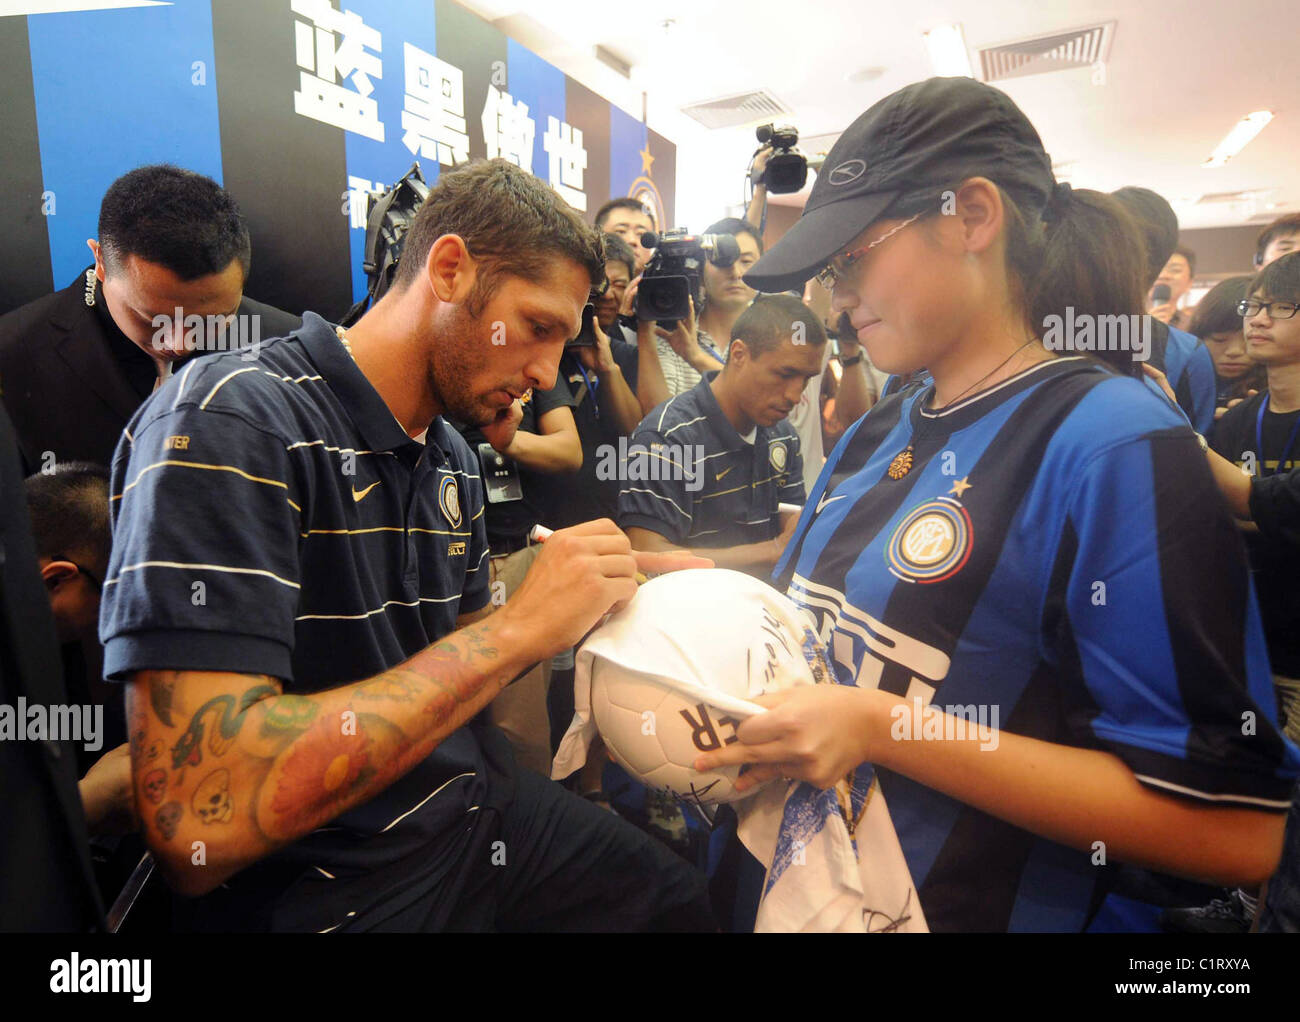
(1058, 562)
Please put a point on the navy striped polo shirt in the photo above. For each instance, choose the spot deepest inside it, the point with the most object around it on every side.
(691, 478)
(271, 516)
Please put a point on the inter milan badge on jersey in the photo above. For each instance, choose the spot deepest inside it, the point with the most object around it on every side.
(902, 463)
(931, 543)
(449, 500)
(776, 454)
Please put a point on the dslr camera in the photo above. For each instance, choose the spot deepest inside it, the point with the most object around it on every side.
(787, 168)
(674, 274)
(587, 332)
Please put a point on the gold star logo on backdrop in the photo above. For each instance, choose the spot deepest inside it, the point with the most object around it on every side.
(960, 486)
(646, 160)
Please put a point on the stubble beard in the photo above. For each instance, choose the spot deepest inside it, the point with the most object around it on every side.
(458, 356)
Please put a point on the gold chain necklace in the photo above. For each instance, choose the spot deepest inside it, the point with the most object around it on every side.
(903, 460)
(347, 346)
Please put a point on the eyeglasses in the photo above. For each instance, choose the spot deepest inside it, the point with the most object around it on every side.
(89, 576)
(833, 274)
(1276, 310)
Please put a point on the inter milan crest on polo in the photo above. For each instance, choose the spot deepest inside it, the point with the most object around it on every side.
(931, 543)
(449, 500)
(777, 455)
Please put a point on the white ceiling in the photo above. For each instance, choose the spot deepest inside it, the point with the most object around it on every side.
(1179, 76)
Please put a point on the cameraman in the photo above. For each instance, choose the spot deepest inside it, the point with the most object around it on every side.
(726, 295)
(757, 209)
(629, 219)
(688, 351)
(601, 380)
(620, 269)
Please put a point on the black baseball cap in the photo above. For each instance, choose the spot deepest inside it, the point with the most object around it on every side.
(898, 157)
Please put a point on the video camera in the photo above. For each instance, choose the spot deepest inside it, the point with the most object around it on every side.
(675, 272)
(787, 169)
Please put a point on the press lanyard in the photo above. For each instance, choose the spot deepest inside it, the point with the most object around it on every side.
(591, 387)
(1259, 438)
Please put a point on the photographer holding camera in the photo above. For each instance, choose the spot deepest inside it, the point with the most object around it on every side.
(690, 350)
(599, 371)
(672, 356)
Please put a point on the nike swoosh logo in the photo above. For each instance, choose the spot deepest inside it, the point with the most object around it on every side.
(828, 500)
(358, 496)
(723, 472)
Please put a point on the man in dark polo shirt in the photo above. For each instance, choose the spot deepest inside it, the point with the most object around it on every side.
(297, 600)
(706, 469)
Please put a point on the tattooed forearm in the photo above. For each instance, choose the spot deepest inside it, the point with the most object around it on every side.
(161, 692)
(289, 713)
(167, 819)
(251, 768)
(387, 724)
(225, 721)
(211, 801)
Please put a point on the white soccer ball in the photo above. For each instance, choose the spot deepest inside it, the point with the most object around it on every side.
(688, 642)
(655, 733)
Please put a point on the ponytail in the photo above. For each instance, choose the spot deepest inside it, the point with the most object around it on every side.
(1087, 253)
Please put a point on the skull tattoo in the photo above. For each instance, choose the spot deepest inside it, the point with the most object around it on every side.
(155, 785)
(211, 801)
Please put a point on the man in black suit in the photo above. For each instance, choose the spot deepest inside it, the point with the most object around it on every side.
(170, 264)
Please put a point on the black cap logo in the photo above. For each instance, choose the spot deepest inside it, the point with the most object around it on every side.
(847, 172)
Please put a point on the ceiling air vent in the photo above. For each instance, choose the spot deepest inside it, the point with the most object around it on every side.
(744, 108)
(613, 61)
(1059, 51)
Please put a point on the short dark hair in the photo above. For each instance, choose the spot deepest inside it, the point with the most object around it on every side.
(1187, 254)
(176, 218)
(1279, 280)
(511, 222)
(1217, 313)
(619, 251)
(770, 320)
(734, 225)
(1282, 226)
(69, 512)
(1158, 223)
(625, 202)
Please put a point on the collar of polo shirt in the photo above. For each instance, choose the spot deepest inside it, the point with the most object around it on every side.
(374, 420)
(719, 425)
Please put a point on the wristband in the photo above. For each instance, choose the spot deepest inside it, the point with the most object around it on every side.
(846, 362)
